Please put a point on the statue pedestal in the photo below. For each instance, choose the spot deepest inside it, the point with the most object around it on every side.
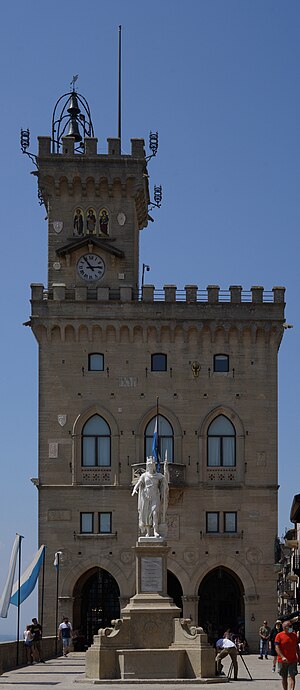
(150, 641)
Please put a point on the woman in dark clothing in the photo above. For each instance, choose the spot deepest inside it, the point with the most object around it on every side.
(277, 629)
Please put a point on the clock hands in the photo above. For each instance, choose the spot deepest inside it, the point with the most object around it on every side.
(89, 265)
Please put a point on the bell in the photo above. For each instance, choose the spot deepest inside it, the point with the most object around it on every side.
(73, 130)
(73, 108)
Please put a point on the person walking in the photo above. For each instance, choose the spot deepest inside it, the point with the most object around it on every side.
(65, 634)
(264, 634)
(224, 647)
(277, 628)
(286, 644)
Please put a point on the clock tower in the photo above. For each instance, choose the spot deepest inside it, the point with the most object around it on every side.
(96, 205)
(106, 354)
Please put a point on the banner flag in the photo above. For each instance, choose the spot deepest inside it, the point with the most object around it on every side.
(56, 559)
(6, 594)
(29, 578)
(155, 445)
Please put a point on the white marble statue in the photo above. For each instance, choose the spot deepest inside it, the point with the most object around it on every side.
(152, 488)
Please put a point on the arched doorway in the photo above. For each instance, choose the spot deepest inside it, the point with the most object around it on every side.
(96, 602)
(221, 603)
(174, 589)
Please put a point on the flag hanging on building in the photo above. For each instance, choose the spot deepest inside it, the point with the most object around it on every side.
(6, 594)
(29, 578)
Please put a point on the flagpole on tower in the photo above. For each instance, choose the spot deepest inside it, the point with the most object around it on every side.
(119, 86)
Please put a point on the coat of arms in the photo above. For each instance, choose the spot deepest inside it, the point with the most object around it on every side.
(62, 418)
(57, 226)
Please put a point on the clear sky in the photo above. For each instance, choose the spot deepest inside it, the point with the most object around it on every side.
(220, 81)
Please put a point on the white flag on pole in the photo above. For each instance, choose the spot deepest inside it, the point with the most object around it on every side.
(56, 559)
(6, 594)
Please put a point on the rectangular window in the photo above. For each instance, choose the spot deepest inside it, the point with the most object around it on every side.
(212, 522)
(96, 362)
(105, 523)
(86, 523)
(221, 363)
(159, 362)
(230, 522)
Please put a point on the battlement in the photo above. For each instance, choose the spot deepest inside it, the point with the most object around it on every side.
(169, 294)
(90, 148)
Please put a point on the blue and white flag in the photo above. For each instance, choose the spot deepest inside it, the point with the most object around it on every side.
(155, 449)
(6, 594)
(29, 578)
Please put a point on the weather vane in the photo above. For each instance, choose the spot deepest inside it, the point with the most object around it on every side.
(73, 82)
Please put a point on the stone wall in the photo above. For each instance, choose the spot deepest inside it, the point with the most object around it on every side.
(8, 653)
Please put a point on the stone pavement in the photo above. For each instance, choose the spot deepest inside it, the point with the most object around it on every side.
(67, 674)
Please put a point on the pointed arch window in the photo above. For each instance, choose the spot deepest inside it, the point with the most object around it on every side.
(165, 438)
(96, 443)
(221, 442)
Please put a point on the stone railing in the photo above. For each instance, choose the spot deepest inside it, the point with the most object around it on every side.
(8, 653)
(176, 472)
(190, 295)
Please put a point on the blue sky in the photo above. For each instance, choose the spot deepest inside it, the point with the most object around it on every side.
(220, 81)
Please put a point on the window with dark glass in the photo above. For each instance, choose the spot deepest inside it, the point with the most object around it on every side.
(165, 437)
(159, 362)
(105, 523)
(221, 363)
(86, 523)
(96, 443)
(230, 522)
(221, 443)
(212, 522)
(96, 361)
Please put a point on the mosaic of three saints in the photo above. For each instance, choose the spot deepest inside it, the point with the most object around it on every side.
(87, 223)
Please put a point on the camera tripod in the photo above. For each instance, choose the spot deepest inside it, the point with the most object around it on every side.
(229, 674)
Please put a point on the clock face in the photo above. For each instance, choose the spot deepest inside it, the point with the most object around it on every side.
(90, 267)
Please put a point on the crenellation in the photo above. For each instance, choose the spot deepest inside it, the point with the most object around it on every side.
(114, 146)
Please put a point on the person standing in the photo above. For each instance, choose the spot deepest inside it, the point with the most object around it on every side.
(264, 634)
(224, 647)
(37, 641)
(28, 642)
(288, 655)
(65, 634)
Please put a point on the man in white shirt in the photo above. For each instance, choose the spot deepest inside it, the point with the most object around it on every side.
(224, 647)
(65, 634)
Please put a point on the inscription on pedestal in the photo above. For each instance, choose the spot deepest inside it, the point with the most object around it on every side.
(151, 574)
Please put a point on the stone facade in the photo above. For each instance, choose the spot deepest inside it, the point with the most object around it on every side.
(74, 318)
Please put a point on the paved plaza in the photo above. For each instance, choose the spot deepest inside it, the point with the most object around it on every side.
(69, 673)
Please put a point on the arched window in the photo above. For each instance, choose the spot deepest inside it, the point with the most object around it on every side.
(221, 443)
(96, 443)
(221, 363)
(165, 438)
(159, 362)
